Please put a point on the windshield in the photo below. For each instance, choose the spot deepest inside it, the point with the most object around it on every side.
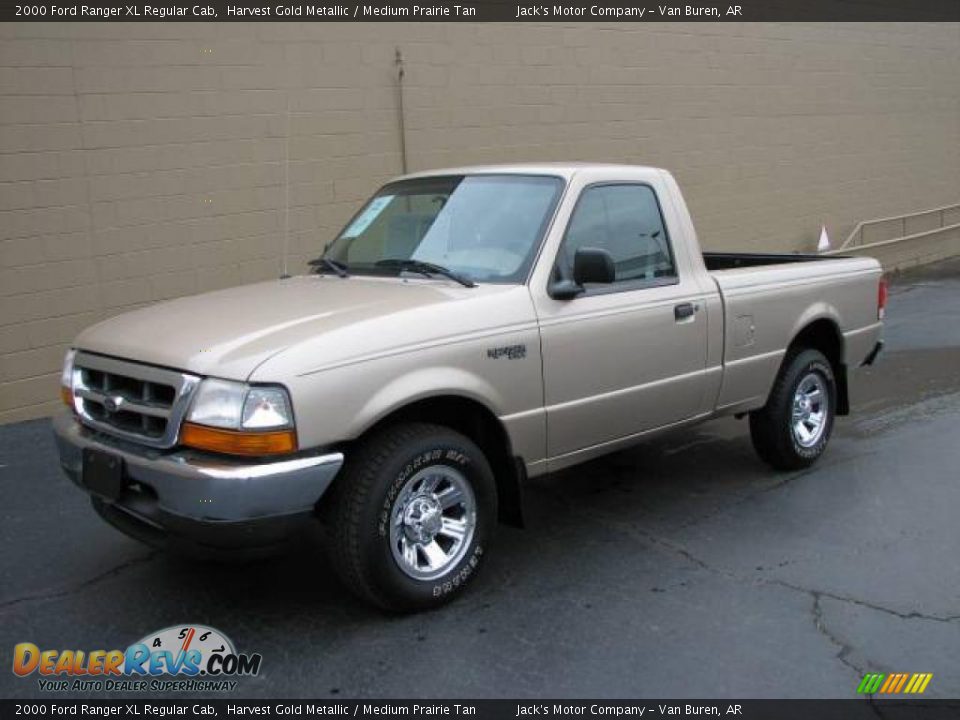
(486, 228)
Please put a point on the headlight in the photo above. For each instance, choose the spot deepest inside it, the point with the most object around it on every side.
(235, 418)
(218, 403)
(237, 406)
(66, 378)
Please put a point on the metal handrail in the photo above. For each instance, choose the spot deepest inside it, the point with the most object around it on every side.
(857, 232)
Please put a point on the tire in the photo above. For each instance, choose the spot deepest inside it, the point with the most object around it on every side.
(393, 509)
(787, 442)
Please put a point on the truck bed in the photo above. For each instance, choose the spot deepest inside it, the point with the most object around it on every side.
(767, 299)
(729, 260)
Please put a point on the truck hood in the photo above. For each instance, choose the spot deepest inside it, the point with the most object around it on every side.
(229, 333)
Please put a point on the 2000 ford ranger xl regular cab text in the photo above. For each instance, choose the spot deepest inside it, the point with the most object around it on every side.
(468, 329)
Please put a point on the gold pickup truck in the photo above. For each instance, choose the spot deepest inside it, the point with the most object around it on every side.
(468, 329)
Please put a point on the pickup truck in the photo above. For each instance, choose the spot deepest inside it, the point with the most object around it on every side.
(468, 329)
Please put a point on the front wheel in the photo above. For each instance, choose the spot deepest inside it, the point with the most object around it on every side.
(412, 516)
(792, 430)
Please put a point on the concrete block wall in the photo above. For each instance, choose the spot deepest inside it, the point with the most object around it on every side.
(140, 162)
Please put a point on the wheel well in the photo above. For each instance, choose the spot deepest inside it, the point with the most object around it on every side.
(824, 335)
(477, 422)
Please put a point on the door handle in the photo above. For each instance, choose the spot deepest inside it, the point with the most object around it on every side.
(684, 311)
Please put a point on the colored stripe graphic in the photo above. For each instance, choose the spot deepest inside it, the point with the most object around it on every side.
(894, 683)
(870, 683)
(918, 683)
(891, 681)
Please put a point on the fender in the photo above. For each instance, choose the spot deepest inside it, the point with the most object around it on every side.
(423, 384)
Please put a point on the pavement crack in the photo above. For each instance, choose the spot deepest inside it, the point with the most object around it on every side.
(78, 587)
(844, 649)
(815, 593)
(630, 528)
(781, 480)
(912, 615)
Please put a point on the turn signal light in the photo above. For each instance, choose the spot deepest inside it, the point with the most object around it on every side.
(66, 394)
(233, 442)
(881, 299)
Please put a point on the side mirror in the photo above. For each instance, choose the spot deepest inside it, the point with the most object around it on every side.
(590, 265)
(593, 265)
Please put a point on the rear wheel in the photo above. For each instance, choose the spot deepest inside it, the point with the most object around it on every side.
(412, 516)
(792, 430)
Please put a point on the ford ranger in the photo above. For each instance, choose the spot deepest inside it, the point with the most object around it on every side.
(468, 329)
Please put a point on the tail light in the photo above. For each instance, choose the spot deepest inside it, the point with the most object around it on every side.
(881, 299)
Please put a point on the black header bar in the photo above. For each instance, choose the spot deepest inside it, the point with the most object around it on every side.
(853, 709)
(482, 11)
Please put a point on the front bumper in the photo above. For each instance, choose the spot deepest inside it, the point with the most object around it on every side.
(188, 495)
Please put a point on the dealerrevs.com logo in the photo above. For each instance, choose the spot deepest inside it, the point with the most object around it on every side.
(177, 658)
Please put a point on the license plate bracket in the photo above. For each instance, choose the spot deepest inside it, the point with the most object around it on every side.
(102, 473)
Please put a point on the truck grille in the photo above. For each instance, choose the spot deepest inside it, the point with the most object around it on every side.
(137, 402)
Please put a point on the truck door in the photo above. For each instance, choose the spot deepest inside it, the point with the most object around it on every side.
(629, 356)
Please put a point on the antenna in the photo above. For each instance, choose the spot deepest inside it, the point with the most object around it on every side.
(400, 119)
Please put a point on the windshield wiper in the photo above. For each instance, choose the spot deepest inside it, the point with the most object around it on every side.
(425, 268)
(325, 262)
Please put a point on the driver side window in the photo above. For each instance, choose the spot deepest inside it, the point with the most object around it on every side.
(625, 221)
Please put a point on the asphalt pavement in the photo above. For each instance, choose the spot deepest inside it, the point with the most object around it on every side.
(681, 568)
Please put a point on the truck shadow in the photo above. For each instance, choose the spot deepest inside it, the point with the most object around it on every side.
(658, 487)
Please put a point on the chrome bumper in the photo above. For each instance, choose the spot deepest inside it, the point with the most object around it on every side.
(193, 486)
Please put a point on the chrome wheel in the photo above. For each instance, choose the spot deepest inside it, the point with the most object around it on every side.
(810, 407)
(432, 522)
